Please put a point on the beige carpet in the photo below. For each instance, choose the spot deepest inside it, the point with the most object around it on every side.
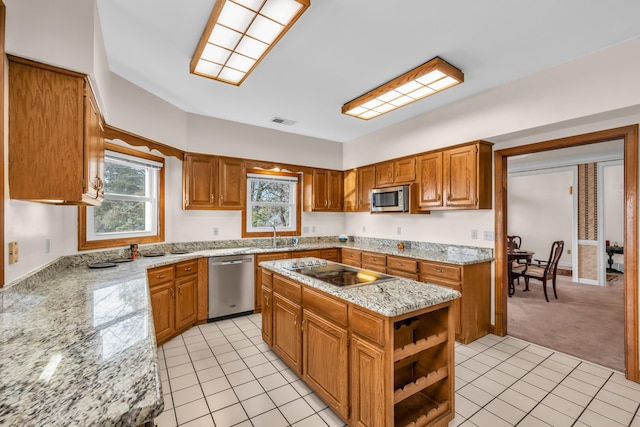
(585, 321)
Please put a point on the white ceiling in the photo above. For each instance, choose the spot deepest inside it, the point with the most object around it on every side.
(340, 49)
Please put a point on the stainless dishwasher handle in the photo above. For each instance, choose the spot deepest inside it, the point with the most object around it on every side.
(237, 261)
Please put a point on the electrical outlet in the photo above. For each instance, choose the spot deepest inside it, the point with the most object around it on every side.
(13, 252)
(488, 235)
(568, 251)
(313, 228)
(305, 230)
(474, 234)
(47, 245)
(215, 231)
(399, 230)
(364, 228)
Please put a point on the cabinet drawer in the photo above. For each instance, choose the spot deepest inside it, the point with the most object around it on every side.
(406, 275)
(352, 255)
(325, 306)
(373, 259)
(271, 257)
(267, 278)
(303, 254)
(187, 268)
(402, 264)
(448, 272)
(287, 288)
(367, 326)
(330, 254)
(160, 275)
(374, 267)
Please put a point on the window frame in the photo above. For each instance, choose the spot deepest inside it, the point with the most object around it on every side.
(84, 244)
(298, 208)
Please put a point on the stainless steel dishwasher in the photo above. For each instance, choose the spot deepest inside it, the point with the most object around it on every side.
(231, 286)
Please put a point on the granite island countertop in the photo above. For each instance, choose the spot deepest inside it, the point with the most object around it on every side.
(77, 345)
(390, 298)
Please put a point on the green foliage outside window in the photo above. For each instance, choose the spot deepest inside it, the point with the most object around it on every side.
(121, 215)
(271, 202)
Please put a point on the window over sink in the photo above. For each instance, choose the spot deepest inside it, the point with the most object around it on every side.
(273, 199)
(131, 210)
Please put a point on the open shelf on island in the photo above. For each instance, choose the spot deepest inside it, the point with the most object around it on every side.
(419, 384)
(418, 410)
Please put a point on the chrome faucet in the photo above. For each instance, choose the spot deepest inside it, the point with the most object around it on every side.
(273, 224)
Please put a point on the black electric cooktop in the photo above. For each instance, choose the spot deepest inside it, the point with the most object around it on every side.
(337, 274)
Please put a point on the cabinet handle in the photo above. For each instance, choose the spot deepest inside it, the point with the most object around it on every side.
(448, 197)
(213, 198)
(160, 276)
(187, 268)
(173, 294)
(221, 198)
(438, 270)
(439, 196)
(295, 320)
(304, 324)
(389, 174)
(266, 298)
(180, 290)
(396, 173)
(400, 264)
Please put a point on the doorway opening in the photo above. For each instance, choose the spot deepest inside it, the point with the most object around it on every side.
(629, 135)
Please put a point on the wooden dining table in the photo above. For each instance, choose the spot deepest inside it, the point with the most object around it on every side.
(517, 255)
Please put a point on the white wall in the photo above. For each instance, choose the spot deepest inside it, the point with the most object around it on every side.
(540, 211)
(613, 207)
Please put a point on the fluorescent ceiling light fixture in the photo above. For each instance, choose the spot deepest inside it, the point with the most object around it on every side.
(424, 80)
(239, 34)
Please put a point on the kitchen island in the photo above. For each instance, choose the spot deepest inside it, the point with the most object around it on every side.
(380, 353)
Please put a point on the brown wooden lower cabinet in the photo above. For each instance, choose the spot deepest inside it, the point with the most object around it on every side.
(174, 298)
(372, 370)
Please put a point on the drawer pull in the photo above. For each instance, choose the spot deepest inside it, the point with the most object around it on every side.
(400, 264)
(438, 270)
(160, 276)
(187, 268)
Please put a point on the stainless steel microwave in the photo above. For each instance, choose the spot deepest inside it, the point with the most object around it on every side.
(390, 199)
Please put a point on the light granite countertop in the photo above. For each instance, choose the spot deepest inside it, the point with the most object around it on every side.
(389, 297)
(77, 345)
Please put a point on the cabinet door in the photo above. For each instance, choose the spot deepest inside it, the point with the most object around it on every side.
(460, 170)
(324, 349)
(287, 342)
(366, 178)
(384, 174)
(186, 301)
(367, 384)
(334, 190)
(93, 149)
(232, 183)
(267, 315)
(430, 180)
(404, 170)
(163, 307)
(320, 190)
(350, 195)
(199, 181)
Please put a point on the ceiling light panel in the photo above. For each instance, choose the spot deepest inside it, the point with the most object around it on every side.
(424, 80)
(239, 34)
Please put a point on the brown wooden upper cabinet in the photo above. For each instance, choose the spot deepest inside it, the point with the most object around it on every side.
(399, 171)
(212, 182)
(357, 189)
(456, 178)
(56, 143)
(323, 190)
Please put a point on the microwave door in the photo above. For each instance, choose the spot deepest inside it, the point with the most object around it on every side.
(386, 201)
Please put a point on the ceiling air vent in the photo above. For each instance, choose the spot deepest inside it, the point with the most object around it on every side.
(282, 121)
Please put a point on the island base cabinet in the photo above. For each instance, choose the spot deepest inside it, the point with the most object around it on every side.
(287, 318)
(367, 384)
(324, 349)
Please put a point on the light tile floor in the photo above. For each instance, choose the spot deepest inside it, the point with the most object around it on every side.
(222, 374)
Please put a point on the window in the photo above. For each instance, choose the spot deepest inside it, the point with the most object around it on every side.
(130, 212)
(273, 198)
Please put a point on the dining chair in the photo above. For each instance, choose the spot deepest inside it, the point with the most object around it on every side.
(514, 242)
(544, 271)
